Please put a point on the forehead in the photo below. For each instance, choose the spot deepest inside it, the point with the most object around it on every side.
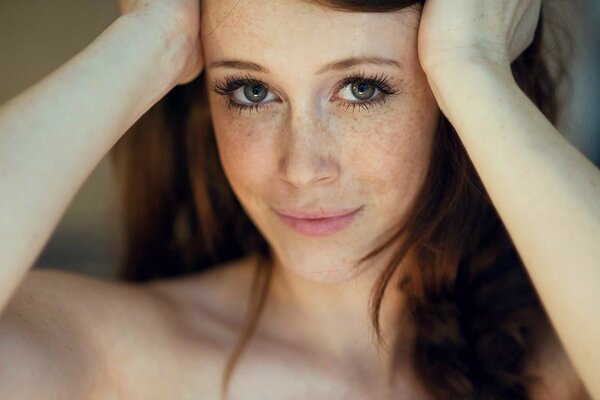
(300, 32)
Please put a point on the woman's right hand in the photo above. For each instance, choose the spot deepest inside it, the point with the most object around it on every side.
(185, 16)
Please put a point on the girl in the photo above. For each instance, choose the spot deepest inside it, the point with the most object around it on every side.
(320, 162)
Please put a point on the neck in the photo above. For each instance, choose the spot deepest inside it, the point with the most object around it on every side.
(334, 319)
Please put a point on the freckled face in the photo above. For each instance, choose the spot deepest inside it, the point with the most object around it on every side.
(298, 130)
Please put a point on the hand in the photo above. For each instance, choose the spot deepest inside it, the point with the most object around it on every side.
(496, 31)
(181, 15)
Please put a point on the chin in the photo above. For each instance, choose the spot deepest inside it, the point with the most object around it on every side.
(319, 265)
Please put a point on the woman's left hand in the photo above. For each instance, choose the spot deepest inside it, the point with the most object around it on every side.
(495, 31)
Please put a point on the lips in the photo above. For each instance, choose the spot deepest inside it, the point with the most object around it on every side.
(318, 223)
(319, 214)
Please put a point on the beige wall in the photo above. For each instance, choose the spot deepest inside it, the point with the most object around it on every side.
(36, 37)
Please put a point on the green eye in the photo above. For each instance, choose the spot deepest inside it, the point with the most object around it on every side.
(363, 90)
(255, 93)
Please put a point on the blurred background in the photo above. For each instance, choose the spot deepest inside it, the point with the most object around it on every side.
(36, 37)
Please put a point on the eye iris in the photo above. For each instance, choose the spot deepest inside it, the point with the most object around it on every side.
(363, 90)
(255, 93)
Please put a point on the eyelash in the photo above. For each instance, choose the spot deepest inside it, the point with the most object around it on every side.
(232, 83)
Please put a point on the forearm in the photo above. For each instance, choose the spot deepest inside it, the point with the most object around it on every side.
(55, 133)
(547, 194)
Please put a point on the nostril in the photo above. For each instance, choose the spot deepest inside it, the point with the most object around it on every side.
(302, 171)
(307, 153)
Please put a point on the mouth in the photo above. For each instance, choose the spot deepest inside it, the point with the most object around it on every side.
(318, 223)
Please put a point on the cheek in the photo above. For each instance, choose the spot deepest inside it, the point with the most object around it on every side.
(392, 150)
(245, 149)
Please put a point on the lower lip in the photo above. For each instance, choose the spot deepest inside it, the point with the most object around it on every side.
(321, 226)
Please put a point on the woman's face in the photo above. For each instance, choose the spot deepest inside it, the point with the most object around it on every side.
(318, 111)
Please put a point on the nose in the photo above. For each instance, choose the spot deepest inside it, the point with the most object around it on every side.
(309, 155)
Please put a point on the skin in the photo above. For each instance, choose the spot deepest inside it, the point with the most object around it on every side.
(76, 337)
(307, 149)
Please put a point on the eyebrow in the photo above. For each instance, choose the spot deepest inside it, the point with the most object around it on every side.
(340, 65)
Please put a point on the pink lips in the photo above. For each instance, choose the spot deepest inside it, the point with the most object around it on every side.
(318, 223)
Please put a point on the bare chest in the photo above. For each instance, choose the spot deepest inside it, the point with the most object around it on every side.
(188, 362)
(180, 371)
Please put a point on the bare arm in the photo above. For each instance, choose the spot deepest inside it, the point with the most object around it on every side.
(547, 194)
(545, 191)
(55, 133)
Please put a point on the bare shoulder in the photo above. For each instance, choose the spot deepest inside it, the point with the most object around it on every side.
(220, 292)
(61, 330)
(209, 307)
(557, 378)
(205, 315)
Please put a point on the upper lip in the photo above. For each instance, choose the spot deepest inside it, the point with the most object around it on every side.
(316, 214)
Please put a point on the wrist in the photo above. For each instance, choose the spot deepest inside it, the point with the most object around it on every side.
(452, 81)
(173, 47)
(458, 63)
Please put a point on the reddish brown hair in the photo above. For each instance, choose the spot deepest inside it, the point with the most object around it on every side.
(177, 207)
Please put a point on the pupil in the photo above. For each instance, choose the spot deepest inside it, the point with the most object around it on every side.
(363, 90)
(255, 93)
